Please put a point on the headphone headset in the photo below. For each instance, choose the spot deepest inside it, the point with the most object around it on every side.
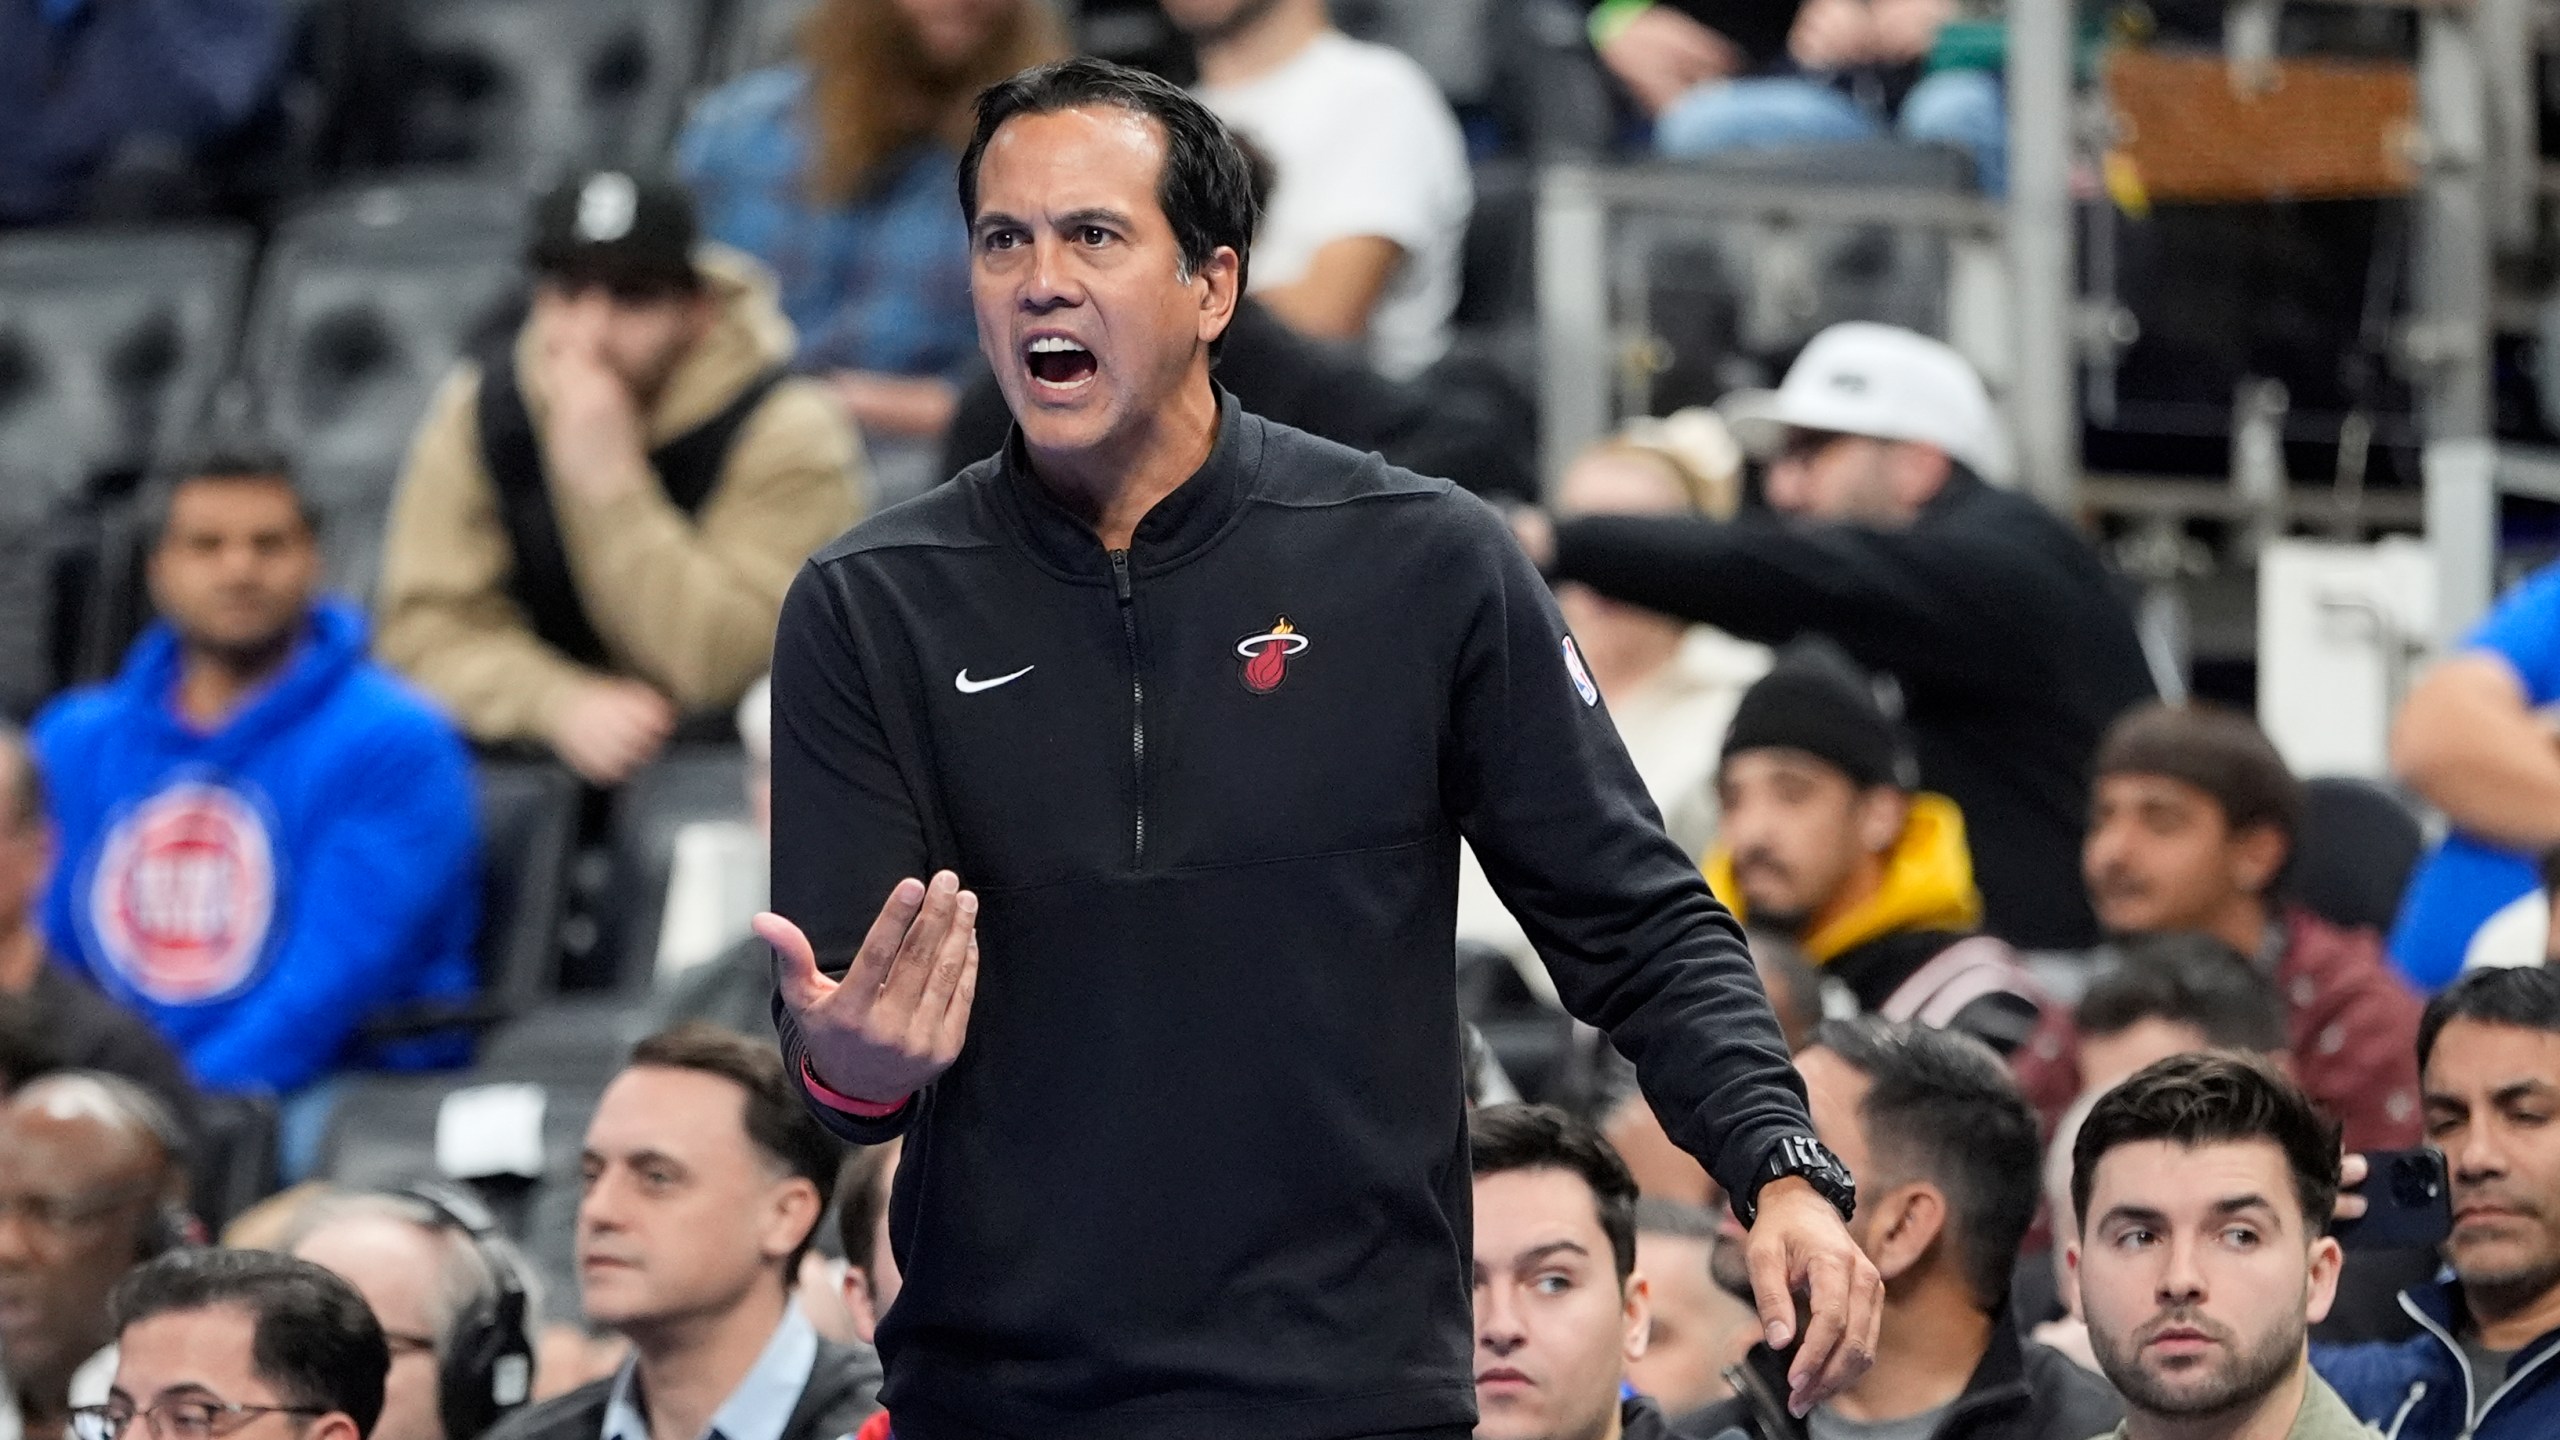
(487, 1369)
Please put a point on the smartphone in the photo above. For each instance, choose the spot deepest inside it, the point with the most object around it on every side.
(2408, 1205)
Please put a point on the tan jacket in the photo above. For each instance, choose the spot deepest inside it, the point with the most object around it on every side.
(686, 604)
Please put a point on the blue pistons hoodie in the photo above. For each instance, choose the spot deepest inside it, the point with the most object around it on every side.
(258, 891)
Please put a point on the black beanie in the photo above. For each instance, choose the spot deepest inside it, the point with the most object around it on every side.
(1809, 702)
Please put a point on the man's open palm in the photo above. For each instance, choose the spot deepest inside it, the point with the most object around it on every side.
(897, 1018)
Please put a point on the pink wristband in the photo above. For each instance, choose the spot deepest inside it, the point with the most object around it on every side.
(867, 1109)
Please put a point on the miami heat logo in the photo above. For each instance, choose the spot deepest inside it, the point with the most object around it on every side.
(1266, 656)
(183, 894)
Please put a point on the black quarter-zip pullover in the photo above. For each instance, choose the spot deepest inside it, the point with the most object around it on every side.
(1201, 1169)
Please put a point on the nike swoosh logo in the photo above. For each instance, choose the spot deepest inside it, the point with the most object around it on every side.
(967, 686)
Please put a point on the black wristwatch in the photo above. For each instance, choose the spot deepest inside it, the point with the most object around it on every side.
(1805, 1158)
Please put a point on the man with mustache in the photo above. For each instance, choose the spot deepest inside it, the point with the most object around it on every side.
(2192, 821)
(2489, 1055)
(1826, 841)
(2202, 1187)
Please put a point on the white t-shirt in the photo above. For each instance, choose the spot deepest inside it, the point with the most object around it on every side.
(1363, 144)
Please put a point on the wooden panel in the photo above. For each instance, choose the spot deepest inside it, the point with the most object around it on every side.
(2322, 130)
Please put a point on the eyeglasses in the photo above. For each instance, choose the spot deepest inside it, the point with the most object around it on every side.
(175, 1419)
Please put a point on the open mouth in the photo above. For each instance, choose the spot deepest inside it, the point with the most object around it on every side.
(1059, 363)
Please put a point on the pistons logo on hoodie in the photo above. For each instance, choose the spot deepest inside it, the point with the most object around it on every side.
(184, 893)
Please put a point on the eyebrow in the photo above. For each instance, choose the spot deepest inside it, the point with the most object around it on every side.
(1087, 215)
(1534, 1255)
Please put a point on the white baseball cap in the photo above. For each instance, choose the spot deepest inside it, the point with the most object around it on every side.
(1880, 381)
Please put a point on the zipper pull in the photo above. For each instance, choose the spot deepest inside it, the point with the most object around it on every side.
(1120, 574)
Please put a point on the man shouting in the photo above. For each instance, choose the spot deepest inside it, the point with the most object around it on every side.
(1200, 707)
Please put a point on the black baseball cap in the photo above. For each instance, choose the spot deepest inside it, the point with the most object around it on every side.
(631, 234)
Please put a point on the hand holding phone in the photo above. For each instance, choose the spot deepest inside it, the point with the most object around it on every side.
(2408, 1203)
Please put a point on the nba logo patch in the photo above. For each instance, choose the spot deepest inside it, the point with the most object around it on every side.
(184, 893)
(1582, 685)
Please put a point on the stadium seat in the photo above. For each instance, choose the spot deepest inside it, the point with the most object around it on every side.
(234, 1163)
(528, 837)
(2358, 844)
(363, 305)
(528, 840)
(539, 88)
(111, 343)
(691, 783)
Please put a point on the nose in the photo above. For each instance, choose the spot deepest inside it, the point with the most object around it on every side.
(2478, 1156)
(1498, 1325)
(2181, 1274)
(1051, 283)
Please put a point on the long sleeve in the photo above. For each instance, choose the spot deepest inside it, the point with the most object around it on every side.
(1544, 793)
(1941, 605)
(690, 605)
(444, 617)
(846, 827)
(398, 855)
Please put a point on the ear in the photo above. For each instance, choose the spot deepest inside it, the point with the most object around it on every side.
(860, 1303)
(791, 1210)
(1908, 1221)
(1883, 811)
(336, 1425)
(1217, 279)
(2326, 1260)
(2257, 853)
(1638, 1316)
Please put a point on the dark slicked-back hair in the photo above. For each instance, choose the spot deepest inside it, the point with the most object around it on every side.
(776, 1119)
(2218, 750)
(1941, 1107)
(314, 1339)
(1207, 188)
(2188, 980)
(2208, 1099)
(1503, 1138)
(2526, 997)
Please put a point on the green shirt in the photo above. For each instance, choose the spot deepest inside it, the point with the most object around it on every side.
(2323, 1416)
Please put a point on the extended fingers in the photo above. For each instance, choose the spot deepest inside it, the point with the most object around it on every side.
(902, 991)
(950, 959)
(955, 1020)
(888, 931)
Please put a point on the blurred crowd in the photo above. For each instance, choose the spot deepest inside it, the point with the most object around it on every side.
(2111, 1011)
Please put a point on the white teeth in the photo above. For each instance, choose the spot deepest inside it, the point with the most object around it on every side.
(1055, 345)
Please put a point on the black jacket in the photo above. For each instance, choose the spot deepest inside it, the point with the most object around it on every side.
(843, 1391)
(1202, 1167)
(2019, 1391)
(2011, 645)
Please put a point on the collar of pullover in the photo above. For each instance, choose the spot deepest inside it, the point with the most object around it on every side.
(1181, 525)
